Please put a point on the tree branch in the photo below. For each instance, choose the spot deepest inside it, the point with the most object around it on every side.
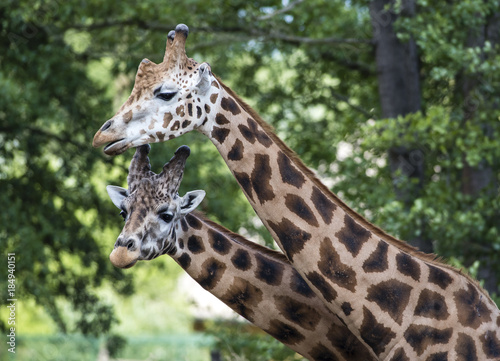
(280, 11)
(167, 27)
(353, 106)
(304, 40)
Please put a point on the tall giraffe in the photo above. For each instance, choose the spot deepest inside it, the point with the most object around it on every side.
(404, 304)
(256, 282)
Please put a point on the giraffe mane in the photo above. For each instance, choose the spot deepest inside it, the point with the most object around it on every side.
(240, 239)
(430, 258)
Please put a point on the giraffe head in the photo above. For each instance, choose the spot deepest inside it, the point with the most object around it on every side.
(168, 100)
(151, 208)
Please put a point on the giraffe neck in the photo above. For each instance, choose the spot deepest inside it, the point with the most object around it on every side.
(370, 279)
(262, 286)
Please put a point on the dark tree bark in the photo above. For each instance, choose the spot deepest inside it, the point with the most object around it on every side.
(399, 91)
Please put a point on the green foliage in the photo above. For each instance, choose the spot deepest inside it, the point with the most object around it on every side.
(309, 71)
(239, 341)
(114, 344)
(195, 347)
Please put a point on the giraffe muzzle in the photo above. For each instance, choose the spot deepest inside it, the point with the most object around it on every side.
(121, 257)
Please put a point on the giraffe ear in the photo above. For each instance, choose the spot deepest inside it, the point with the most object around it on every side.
(191, 200)
(117, 195)
(204, 82)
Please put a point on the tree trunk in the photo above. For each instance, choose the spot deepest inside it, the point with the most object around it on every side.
(399, 91)
(480, 178)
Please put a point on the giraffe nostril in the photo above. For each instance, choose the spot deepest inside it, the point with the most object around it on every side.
(106, 126)
(130, 244)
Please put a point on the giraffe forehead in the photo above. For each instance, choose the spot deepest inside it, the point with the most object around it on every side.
(150, 75)
(150, 199)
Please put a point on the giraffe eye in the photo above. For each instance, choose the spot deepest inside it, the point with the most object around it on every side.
(123, 214)
(166, 217)
(166, 96)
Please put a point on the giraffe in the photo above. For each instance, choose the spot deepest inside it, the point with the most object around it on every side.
(404, 304)
(255, 281)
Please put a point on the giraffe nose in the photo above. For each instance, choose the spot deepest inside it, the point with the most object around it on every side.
(105, 134)
(125, 254)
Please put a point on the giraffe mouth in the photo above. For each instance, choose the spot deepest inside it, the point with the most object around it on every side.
(117, 147)
(130, 264)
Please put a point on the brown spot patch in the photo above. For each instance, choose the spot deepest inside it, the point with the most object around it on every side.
(221, 119)
(353, 235)
(195, 244)
(243, 297)
(400, 355)
(184, 261)
(236, 152)
(213, 98)
(297, 312)
(228, 104)
(473, 311)
(167, 117)
(438, 356)
(252, 133)
(220, 134)
(377, 262)
(439, 277)
(408, 266)
(284, 333)
(297, 284)
(466, 348)
(176, 125)
(289, 173)
(331, 266)
(127, 117)
(322, 353)
(491, 344)
(161, 136)
(421, 337)
(319, 282)
(180, 111)
(431, 305)
(245, 183)
(291, 237)
(212, 272)
(346, 308)
(219, 242)
(347, 344)
(298, 206)
(241, 260)
(375, 334)
(261, 177)
(323, 204)
(391, 296)
(193, 221)
(268, 271)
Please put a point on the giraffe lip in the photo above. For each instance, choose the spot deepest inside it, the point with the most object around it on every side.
(116, 147)
(130, 264)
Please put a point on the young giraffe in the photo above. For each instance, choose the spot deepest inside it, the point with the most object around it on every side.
(256, 282)
(404, 304)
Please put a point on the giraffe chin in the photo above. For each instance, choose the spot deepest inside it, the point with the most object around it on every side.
(117, 147)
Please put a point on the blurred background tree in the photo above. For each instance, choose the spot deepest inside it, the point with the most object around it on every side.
(394, 103)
